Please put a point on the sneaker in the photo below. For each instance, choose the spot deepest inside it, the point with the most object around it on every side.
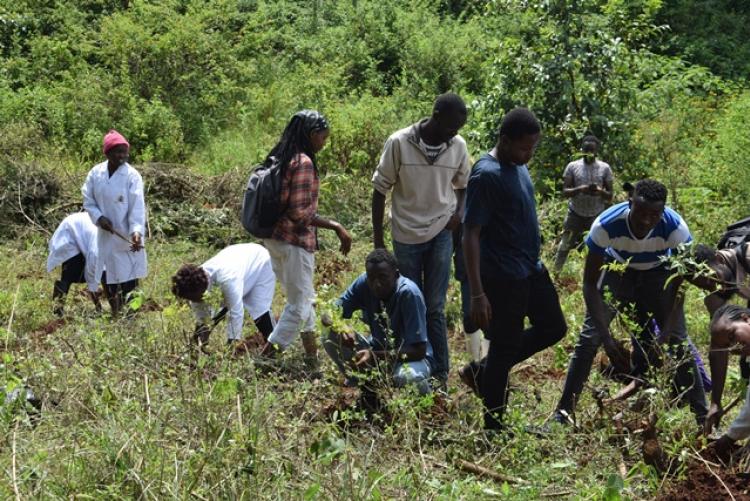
(562, 417)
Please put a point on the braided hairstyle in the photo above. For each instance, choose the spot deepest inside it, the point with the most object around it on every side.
(189, 281)
(296, 138)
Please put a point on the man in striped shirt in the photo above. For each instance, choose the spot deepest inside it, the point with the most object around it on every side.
(634, 235)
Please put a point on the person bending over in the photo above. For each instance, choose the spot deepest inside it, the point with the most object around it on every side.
(730, 277)
(636, 234)
(73, 247)
(730, 328)
(244, 274)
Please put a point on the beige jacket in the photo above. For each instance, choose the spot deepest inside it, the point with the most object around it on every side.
(423, 199)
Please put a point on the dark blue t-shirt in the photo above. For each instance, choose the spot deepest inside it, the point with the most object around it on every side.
(405, 310)
(500, 199)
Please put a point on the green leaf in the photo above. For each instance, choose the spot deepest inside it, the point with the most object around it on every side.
(311, 492)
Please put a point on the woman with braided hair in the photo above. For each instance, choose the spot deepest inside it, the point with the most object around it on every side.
(295, 240)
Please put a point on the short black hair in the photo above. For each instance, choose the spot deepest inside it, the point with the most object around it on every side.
(447, 103)
(728, 312)
(703, 253)
(590, 138)
(188, 279)
(650, 190)
(378, 256)
(519, 122)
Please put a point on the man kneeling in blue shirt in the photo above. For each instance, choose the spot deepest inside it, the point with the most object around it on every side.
(394, 309)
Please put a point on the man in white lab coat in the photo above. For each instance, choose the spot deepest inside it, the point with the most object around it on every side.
(73, 247)
(113, 197)
(245, 276)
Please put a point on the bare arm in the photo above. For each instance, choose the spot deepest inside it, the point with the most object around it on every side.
(597, 310)
(344, 238)
(569, 191)
(481, 311)
(378, 211)
(455, 220)
(606, 191)
(718, 359)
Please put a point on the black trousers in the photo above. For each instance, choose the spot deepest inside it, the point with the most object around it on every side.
(512, 302)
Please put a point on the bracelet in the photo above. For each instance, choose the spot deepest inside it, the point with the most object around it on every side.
(478, 296)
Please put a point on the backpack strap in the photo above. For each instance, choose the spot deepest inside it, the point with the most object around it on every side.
(740, 252)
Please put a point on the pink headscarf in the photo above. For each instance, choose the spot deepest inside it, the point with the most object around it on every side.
(112, 139)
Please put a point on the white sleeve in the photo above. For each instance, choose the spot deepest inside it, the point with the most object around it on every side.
(233, 301)
(740, 427)
(90, 272)
(136, 205)
(89, 202)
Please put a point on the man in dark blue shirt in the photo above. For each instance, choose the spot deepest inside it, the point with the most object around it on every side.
(394, 309)
(501, 246)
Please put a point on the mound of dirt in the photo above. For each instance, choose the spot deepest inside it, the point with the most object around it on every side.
(701, 484)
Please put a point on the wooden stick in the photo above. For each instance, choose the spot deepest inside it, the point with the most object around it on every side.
(148, 397)
(557, 494)
(239, 412)
(705, 463)
(731, 405)
(13, 471)
(12, 314)
(118, 234)
(486, 472)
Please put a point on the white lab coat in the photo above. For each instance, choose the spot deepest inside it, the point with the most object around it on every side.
(75, 235)
(247, 282)
(120, 199)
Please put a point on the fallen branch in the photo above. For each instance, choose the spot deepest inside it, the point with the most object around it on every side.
(557, 494)
(705, 463)
(13, 470)
(486, 472)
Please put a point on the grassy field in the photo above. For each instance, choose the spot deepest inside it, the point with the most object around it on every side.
(129, 411)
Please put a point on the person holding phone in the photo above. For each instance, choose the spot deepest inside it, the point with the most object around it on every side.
(587, 182)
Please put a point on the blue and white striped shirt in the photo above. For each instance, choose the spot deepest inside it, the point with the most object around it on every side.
(610, 235)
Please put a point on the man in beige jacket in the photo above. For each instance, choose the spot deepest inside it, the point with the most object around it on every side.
(427, 166)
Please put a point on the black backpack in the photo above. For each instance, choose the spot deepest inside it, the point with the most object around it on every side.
(737, 237)
(262, 205)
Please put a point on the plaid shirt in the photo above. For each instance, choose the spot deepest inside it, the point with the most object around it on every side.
(299, 190)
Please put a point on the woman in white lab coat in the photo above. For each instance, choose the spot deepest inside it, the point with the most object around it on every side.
(113, 197)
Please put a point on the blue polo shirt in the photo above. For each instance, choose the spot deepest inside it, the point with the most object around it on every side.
(404, 312)
(500, 199)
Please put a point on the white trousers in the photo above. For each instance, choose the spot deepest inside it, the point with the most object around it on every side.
(294, 268)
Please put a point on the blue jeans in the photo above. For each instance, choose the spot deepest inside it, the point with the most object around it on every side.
(405, 373)
(429, 266)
